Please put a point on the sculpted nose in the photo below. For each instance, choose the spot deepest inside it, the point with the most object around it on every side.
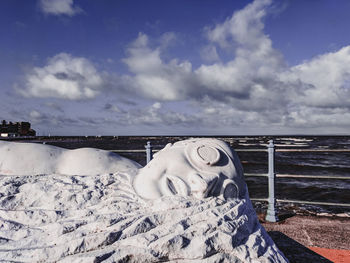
(202, 186)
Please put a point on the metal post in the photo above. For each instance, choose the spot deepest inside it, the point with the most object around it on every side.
(149, 154)
(271, 209)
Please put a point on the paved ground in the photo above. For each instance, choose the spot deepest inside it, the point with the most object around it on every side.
(293, 235)
(335, 255)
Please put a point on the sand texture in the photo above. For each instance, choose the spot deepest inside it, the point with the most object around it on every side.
(89, 219)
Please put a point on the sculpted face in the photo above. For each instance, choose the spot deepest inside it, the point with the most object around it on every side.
(195, 167)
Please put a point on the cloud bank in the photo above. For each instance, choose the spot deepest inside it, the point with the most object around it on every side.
(256, 84)
(252, 86)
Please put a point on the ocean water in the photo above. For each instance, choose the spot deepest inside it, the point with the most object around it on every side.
(329, 157)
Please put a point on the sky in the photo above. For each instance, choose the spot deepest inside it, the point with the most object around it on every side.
(176, 67)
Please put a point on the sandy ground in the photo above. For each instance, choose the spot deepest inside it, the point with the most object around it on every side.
(312, 238)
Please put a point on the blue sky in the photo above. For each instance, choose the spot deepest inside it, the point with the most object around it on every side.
(204, 67)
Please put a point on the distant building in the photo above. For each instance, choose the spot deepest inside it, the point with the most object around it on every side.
(16, 129)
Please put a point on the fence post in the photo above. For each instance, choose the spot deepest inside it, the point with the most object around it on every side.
(149, 154)
(271, 209)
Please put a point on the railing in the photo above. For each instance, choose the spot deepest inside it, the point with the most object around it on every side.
(271, 214)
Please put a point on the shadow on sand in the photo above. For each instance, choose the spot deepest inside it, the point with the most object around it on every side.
(294, 251)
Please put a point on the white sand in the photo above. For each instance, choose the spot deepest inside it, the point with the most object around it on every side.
(98, 218)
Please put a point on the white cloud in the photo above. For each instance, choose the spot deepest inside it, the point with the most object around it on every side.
(153, 78)
(209, 53)
(251, 74)
(244, 28)
(252, 87)
(34, 115)
(324, 80)
(59, 7)
(325, 118)
(157, 105)
(256, 85)
(168, 39)
(65, 77)
(47, 120)
(113, 108)
(54, 106)
(157, 115)
(252, 71)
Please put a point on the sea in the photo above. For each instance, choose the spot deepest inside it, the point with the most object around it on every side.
(327, 157)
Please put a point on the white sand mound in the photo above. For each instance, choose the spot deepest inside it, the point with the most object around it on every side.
(99, 219)
(34, 159)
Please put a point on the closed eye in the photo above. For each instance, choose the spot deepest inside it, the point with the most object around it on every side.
(171, 186)
(177, 186)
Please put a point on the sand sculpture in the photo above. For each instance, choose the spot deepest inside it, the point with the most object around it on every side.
(189, 204)
(195, 167)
